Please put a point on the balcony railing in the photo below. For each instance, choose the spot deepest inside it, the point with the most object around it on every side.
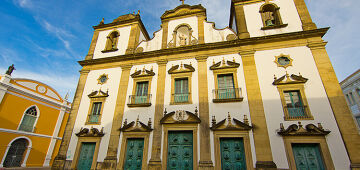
(227, 95)
(179, 98)
(93, 118)
(297, 113)
(139, 101)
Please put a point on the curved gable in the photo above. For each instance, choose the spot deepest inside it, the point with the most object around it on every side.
(38, 87)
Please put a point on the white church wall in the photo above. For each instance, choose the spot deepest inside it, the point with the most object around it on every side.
(144, 113)
(215, 35)
(192, 21)
(141, 37)
(122, 42)
(154, 43)
(316, 96)
(288, 15)
(237, 109)
(91, 84)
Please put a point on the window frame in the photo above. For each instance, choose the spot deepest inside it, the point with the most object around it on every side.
(238, 94)
(278, 23)
(92, 102)
(187, 75)
(135, 83)
(35, 123)
(294, 87)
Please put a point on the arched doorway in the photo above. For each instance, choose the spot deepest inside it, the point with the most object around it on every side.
(15, 154)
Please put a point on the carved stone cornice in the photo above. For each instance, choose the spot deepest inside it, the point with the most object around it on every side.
(298, 130)
(126, 66)
(143, 73)
(180, 117)
(247, 53)
(184, 10)
(98, 94)
(238, 126)
(293, 79)
(224, 64)
(317, 45)
(93, 132)
(136, 126)
(162, 62)
(83, 71)
(201, 58)
(182, 68)
(209, 46)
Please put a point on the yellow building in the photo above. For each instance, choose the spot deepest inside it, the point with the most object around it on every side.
(33, 118)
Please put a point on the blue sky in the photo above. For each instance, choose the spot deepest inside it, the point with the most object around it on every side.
(46, 38)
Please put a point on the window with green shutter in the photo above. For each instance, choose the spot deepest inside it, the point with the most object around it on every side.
(141, 95)
(294, 104)
(29, 119)
(181, 90)
(226, 88)
(95, 112)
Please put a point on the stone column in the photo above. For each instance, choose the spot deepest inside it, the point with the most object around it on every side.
(261, 136)
(205, 162)
(90, 54)
(155, 161)
(59, 162)
(164, 27)
(111, 156)
(240, 20)
(343, 116)
(133, 39)
(307, 23)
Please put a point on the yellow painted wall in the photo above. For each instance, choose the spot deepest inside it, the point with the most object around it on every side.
(61, 133)
(38, 150)
(13, 107)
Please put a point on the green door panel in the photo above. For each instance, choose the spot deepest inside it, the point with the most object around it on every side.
(86, 156)
(308, 157)
(134, 154)
(180, 151)
(232, 154)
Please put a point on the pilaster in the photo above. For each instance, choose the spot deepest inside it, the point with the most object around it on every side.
(205, 162)
(90, 54)
(59, 162)
(110, 160)
(307, 23)
(165, 27)
(343, 116)
(261, 136)
(133, 39)
(201, 31)
(155, 161)
(240, 20)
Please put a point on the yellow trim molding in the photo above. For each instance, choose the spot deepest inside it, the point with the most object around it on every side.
(179, 72)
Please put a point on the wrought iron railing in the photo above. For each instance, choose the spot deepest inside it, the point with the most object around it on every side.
(93, 118)
(181, 97)
(225, 94)
(298, 112)
(139, 100)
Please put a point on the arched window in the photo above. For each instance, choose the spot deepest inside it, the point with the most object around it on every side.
(271, 16)
(29, 119)
(112, 41)
(15, 154)
(182, 36)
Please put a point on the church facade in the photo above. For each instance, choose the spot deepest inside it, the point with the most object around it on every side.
(259, 94)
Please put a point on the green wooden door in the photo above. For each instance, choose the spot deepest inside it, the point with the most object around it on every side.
(86, 156)
(134, 154)
(180, 151)
(308, 157)
(232, 154)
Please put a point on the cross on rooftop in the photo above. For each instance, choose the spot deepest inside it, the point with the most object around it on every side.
(182, 1)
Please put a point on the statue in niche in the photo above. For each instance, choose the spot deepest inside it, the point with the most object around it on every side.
(269, 18)
(182, 38)
(10, 70)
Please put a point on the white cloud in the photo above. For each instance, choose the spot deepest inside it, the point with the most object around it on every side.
(23, 3)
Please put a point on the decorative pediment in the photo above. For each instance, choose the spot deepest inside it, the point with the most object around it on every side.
(143, 73)
(183, 10)
(126, 17)
(136, 126)
(98, 94)
(224, 64)
(293, 79)
(182, 68)
(180, 117)
(298, 130)
(227, 125)
(93, 132)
